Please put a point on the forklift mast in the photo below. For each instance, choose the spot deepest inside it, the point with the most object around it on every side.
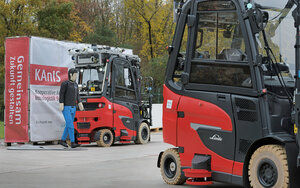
(296, 15)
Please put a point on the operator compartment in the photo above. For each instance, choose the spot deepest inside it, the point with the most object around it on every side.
(91, 73)
(92, 67)
(219, 34)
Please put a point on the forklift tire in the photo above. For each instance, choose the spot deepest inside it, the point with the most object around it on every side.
(106, 138)
(143, 134)
(269, 167)
(170, 167)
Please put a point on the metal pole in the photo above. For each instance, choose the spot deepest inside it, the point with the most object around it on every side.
(297, 47)
(296, 15)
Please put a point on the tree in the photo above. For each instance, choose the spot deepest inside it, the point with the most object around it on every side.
(87, 10)
(156, 26)
(144, 25)
(56, 18)
(59, 20)
(156, 68)
(102, 35)
(125, 27)
(16, 19)
(106, 16)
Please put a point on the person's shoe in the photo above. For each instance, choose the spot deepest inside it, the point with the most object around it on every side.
(63, 143)
(74, 145)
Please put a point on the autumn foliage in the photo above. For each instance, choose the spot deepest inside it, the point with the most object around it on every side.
(146, 26)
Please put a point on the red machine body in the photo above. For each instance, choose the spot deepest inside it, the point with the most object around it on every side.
(178, 132)
(103, 117)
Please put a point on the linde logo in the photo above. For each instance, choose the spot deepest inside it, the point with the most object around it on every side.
(47, 75)
(216, 137)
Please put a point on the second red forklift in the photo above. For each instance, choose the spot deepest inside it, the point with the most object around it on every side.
(110, 88)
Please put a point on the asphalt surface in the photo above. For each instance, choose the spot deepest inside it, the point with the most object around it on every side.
(122, 165)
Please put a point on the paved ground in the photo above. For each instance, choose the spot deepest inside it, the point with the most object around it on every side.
(118, 166)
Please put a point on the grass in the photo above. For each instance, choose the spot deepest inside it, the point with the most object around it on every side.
(1, 129)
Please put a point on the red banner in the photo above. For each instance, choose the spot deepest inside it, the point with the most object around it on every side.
(47, 75)
(16, 89)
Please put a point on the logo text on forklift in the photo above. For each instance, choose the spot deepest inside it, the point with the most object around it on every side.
(216, 137)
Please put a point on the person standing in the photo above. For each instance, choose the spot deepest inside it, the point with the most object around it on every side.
(68, 97)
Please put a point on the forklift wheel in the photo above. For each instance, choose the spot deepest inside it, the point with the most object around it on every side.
(269, 167)
(106, 138)
(143, 134)
(170, 167)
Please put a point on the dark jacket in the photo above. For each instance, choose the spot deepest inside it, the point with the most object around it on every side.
(69, 93)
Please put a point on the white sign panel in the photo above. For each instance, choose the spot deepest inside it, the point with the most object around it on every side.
(49, 64)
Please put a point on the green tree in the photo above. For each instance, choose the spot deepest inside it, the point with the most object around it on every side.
(154, 19)
(57, 19)
(16, 19)
(60, 20)
(156, 68)
(102, 35)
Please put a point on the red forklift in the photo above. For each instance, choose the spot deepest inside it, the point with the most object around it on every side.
(109, 85)
(230, 109)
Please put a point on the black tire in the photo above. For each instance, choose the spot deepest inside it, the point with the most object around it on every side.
(269, 167)
(143, 134)
(170, 167)
(106, 138)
